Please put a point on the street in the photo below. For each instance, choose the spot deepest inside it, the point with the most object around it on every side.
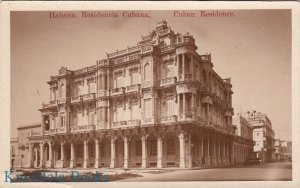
(279, 171)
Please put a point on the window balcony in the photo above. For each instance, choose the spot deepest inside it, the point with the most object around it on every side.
(62, 101)
(168, 81)
(187, 117)
(82, 128)
(90, 96)
(102, 125)
(62, 130)
(168, 119)
(134, 123)
(49, 132)
(133, 88)
(118, 124)
(147, 121)
(117, 91)
(185, 77)
(75, 99)
(52, 104)
(103, 93)
(35, 134)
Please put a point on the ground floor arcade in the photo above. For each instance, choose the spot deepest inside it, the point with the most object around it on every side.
(170, 146)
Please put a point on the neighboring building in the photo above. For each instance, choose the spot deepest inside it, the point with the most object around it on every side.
(243, 141)
(283, 150)
(157, 104)
(20, 145)
(263, 135)
(13, 152)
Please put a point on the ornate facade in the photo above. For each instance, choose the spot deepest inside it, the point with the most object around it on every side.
(263, 135)
(243, 142)
(157, 104)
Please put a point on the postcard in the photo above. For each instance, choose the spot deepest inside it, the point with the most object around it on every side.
(149, 93)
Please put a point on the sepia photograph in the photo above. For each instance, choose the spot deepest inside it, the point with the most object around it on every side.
(150, 95)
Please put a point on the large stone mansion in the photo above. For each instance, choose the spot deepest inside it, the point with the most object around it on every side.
(157, 104)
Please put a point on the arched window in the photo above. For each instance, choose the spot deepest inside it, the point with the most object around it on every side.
(147, 72)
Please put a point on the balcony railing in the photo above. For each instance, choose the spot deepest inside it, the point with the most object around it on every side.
(102, 125)
(134, 122)
(147, 121)
(62, 101)
(168, 81)
(75, 99)
(83, 128)
(35, 133)
(90, 96)
(167, 48)
(169, 119)
(117, 91)
(133, 88)
(187, 117)
(185, 77)
(62, 129)
(103, 93)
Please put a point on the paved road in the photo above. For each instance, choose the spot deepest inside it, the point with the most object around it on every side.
(271, 172)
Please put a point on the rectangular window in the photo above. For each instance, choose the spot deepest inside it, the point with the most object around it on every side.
(138, 148)
(135, 110)
(147, 108)
(135, 78)
(169, 70)
(91, 117)
(171, 147)
(153, 147)
(119, 80)
(120, 113)
(170, 107)
(92, 87)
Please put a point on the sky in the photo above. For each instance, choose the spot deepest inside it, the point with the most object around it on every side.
(253, 48)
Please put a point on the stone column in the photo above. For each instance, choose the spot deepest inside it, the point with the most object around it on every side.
(159, 152)
(62, 153)
(112, 153)
(183, 65)
(72, 160)
(207, 161)
(103, 82)
(189, 144)
(202, 149)
(182, 150)
(144, 151)
(178, 66)
(219, 153)
(36, 157)
(125, 152)
(214, 153)
(41, 155)
(108, 116)
(184, 106)
(86, 153)
(178, 103)
(30, 155)
(193, 104)
(193, 66)
(51, 155)
(223, 154)
(97, 159)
